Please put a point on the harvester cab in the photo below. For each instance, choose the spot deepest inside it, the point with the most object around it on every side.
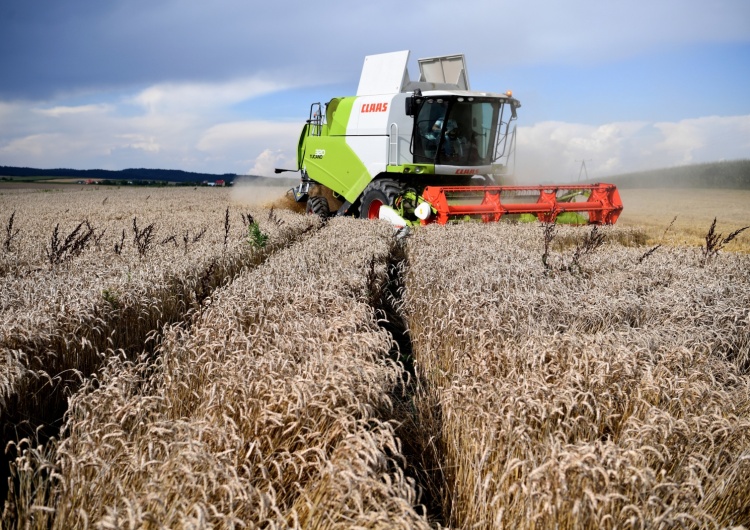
(430, 150)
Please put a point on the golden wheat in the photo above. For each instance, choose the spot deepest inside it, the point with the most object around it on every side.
(616, 395)
(556, 385)
(59, 319)
(270, 411)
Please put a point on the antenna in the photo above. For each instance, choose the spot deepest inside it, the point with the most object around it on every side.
(583, 169)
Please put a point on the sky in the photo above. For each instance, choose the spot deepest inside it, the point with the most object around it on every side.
(225, 86)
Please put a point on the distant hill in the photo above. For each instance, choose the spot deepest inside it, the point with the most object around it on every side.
(733, 174)
(135, 175)
(161, 175)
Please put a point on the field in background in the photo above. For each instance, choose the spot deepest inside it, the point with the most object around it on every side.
(35, 185)
(654, 209)
(251, 366)
(649, 210)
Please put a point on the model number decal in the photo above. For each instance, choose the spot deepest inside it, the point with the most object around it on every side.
(319, 153)
(374, 107)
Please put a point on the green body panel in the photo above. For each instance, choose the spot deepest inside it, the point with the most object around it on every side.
(412, 169)
(338, 112)
(301, 146)
(329, 161)
(565, 218)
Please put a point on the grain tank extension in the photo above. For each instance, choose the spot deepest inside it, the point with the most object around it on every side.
(431, 150)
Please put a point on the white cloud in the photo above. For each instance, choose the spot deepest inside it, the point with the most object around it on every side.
(194, 127)
(49, 146)
(181, 126)
(262, 144)
(61, 110)
(269, 160)
(141, 142)
(698, 138)
(239, 134)
(32, 146)
(172, 97)
(554, 151)
(582, 31)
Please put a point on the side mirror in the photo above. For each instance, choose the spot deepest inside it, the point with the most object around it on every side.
(412, 105)
(514, 104)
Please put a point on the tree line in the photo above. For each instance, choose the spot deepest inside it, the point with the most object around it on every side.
(733, 174)
(163, 175)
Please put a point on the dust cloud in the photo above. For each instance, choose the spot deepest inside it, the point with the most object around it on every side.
(250, 193)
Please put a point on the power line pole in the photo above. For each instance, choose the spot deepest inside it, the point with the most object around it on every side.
(583, 168)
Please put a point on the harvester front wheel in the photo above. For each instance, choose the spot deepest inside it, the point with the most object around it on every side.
(380, 192)
(318, 205)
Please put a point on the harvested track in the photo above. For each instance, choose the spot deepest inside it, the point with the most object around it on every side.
(93, 314)
(271, 404)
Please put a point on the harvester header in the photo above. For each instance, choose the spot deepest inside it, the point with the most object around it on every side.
(426, 150)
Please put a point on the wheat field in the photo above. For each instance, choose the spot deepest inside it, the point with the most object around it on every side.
(241, 365)
(681, 217)
(611, 395)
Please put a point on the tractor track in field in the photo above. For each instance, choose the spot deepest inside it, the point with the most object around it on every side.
(417, 432)
(420, 458)
(45, 417)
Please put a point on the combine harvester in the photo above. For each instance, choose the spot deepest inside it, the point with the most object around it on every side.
(420, 152)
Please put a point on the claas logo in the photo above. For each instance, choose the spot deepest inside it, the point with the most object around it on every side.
(374, 107)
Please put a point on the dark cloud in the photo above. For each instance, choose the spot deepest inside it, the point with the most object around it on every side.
(56, 47)
(52, 46)
(225, 85)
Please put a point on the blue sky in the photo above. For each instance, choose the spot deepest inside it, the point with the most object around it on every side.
(225, 86)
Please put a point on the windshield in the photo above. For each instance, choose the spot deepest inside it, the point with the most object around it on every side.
(457, 131)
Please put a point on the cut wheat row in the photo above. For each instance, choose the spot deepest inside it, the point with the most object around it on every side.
(59, 319)
(610, 394)
(271, 411)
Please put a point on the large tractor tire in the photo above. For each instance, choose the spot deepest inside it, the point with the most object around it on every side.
(318, 205)
(379, 192)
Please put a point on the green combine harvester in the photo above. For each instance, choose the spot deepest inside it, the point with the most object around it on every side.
(426, 151)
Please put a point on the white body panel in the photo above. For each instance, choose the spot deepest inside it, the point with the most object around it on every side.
(387, 213)
(383, 73)
(371, 150)
(371, 115)
(379, 131)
